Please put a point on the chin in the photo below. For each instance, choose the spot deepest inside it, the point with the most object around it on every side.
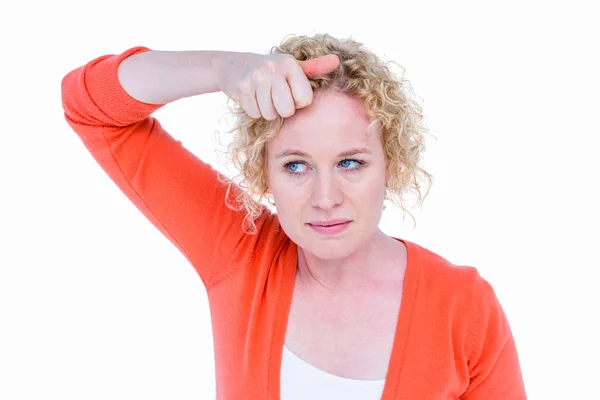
(329, 249)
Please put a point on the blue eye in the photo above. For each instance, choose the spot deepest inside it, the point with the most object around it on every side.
(348, 160)
(292, 167)
(294, 163)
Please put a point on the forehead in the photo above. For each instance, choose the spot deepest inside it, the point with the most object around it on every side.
(332, 120)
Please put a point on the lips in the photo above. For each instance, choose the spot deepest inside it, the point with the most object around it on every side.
(329, 223)
(330, 229)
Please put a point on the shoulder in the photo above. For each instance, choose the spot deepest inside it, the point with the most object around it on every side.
(435, 272)
(457, 289)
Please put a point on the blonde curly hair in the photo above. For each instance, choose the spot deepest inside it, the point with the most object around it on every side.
(360, 74)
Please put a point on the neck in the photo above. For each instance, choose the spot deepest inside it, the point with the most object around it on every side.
(368, 264)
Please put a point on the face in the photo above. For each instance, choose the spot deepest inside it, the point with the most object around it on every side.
(311, 178)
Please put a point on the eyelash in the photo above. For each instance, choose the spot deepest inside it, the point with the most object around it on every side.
(286, 165)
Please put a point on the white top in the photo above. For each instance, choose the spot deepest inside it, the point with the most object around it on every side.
(302, 381)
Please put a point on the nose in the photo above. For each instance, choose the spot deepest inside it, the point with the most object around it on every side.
(326, 192)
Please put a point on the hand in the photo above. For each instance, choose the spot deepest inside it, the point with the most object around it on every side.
(270, 85)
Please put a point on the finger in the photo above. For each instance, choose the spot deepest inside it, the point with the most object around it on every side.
(320, 66)
(265, 102)
(282, 97)
(299, 85)
(249, 104)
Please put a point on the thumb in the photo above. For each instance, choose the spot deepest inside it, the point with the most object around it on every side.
(320, 65)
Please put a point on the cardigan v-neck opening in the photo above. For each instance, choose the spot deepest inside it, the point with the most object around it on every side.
(403, 323)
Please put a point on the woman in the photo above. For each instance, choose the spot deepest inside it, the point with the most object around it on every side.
(313, 301)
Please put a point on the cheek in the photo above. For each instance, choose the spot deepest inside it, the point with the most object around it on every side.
(372, 188)
(287, 195)
(290, 198)
(373, 199)
(285, 186)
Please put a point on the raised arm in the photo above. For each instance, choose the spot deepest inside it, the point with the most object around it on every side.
(108, 103)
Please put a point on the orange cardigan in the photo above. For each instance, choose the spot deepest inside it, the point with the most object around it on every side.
(453, 340)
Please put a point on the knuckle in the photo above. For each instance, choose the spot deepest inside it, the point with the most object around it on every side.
(244, 86)
(289, 61)
(257, 75)
(270, 65)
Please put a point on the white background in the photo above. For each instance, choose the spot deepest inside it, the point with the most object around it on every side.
(95, 303)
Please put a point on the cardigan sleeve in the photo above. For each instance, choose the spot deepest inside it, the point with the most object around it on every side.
(493, 362)
(181, 195)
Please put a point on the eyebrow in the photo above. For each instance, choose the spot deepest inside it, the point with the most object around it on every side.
(347, 153)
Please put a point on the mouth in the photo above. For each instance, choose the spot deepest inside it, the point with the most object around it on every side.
(332, 222)
(325, 225)
(330, 229)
